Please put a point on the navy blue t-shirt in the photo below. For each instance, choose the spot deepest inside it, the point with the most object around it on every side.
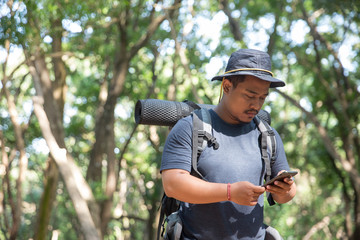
(237, 159)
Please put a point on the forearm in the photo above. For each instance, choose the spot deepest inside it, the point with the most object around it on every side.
(181, 185)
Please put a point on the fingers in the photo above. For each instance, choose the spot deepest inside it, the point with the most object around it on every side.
(254, 198)
(245, 193)
(289, 180)
(280, 187)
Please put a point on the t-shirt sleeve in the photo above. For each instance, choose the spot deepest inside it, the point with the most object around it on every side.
(178, 147)
(281, 162)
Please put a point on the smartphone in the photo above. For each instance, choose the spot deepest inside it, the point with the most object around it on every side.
(280, 177)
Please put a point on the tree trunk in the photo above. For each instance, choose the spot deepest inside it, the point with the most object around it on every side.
(79, 191)
(51, 172)
(46, 110)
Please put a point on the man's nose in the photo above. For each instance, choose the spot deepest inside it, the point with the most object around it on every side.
(256, 104)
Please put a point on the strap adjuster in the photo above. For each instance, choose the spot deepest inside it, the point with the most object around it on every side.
(210, 139)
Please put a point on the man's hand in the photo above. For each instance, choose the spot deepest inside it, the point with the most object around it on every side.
(246, 193)
(282, 191)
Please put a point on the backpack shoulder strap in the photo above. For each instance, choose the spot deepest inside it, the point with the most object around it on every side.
(161, 217)
(267, 142)
(201, 137)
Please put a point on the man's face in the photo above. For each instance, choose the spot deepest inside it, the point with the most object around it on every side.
(245, 100)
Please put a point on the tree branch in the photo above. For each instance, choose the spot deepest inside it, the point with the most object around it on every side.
(180, 51)
(233, 24)
(329, 145)
(152, 27)
(323, 224)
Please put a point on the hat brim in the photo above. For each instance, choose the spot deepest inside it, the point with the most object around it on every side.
(274, 82)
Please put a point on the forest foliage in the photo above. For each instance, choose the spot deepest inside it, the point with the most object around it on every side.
(75, 165)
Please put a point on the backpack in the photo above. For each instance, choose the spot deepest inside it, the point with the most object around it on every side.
(201, 138)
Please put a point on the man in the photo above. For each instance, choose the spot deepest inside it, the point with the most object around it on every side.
(228, 202)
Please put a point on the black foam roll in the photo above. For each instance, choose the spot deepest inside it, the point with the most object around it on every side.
(163, 112)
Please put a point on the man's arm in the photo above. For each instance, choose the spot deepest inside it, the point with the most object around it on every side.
(181, 185)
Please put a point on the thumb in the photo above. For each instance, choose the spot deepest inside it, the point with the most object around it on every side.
(259, 189)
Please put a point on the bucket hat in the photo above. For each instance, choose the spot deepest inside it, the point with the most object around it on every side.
(250, 62)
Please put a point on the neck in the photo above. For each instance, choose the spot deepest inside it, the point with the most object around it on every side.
(225, 114)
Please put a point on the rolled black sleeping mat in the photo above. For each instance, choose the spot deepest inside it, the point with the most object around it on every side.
(163, 112)
(167, 113)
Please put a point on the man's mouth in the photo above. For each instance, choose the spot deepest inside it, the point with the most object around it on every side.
(252, 112)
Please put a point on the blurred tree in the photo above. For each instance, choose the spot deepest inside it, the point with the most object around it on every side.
(53, 21)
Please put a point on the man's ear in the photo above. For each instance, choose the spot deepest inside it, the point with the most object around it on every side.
(227, 85)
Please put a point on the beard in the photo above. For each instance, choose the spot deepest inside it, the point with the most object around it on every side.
(247, 116)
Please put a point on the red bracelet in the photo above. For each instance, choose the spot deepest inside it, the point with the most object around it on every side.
(228, 191)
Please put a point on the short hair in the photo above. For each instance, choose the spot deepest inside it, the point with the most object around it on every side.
(235, 80)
